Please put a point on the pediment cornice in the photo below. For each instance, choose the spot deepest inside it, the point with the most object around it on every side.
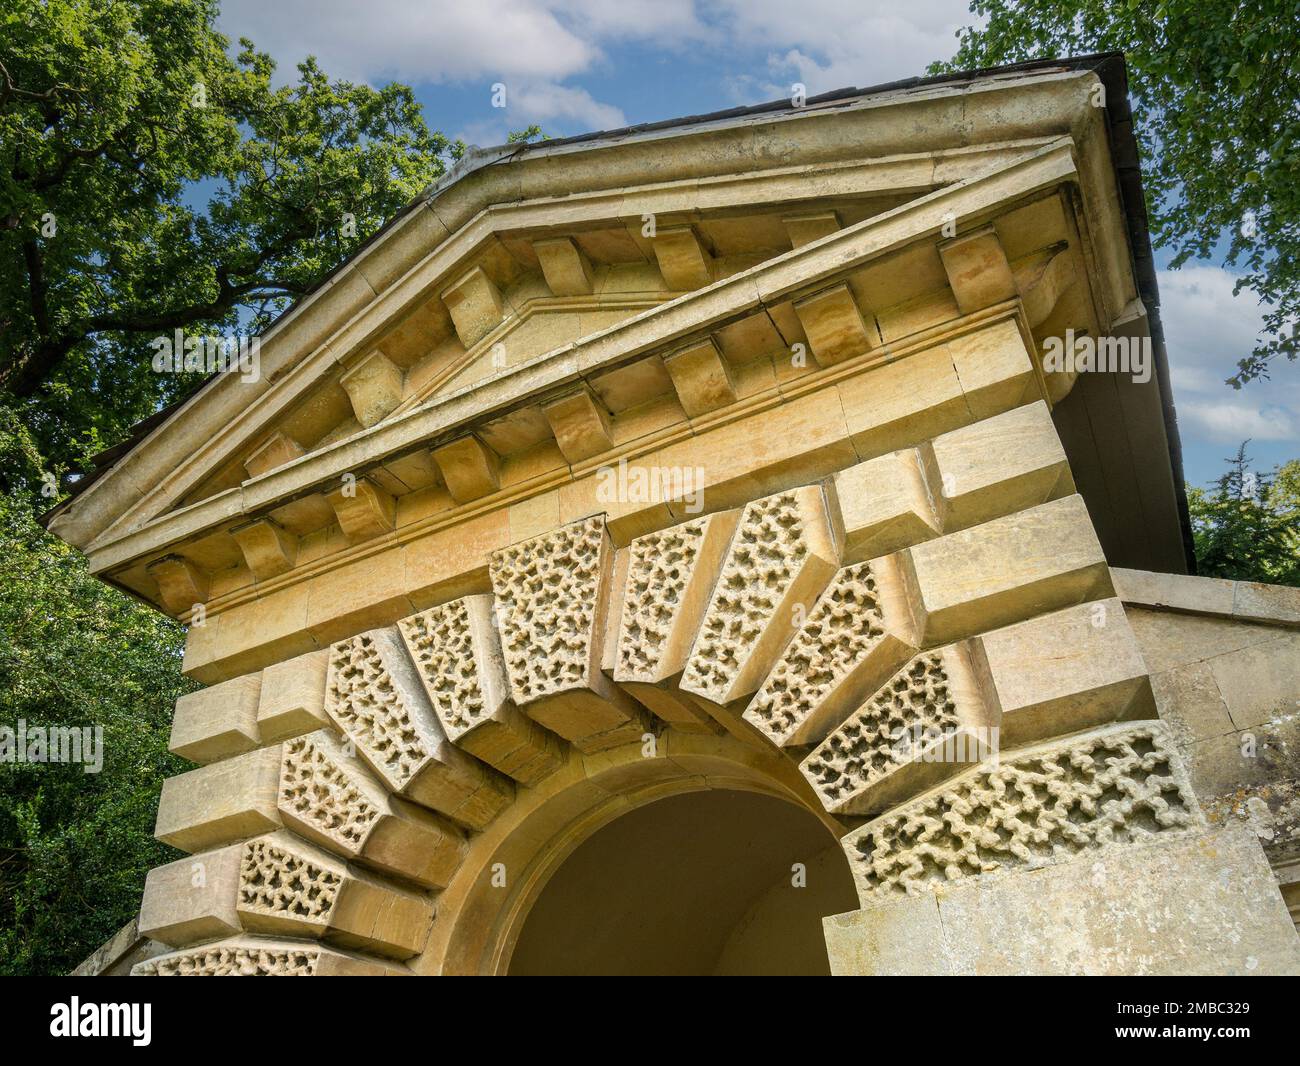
(674, 326)
(710, 166)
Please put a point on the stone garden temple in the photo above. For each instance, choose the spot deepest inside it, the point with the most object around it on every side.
(751, 543)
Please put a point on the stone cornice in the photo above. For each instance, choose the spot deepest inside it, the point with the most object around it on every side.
(688, 317)
(704, 161)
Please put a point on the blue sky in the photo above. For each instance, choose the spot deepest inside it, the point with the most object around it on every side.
(577, 65)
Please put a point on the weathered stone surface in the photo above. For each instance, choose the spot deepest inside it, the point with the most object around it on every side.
(268, 549)
(374, 385)
(375, 697)
(1200, 903)
(580, 424)
(806, 228)
(222, 802)
(186, 901)
(287, 887)
(925, 359)
(1035, 807)
(181, 585)
(782, 555)
(670, 578)
(701, 377)
(566, 267)
(858, 632)
(900, 404)
(930, 721)
(833, 324)
(884, 504)
(998, 466)
(282, 886)
(475, 304)
(249, 956)
(469, 467)
(1096, 672)
(994, 368)
(363, 509)
(1174, 592)
(1005, 570)
(977, 268)
(551, 595)
(274, 452)
(458, 655)
(330, 797)
(292, 698)
(217, 722)
(682, 260)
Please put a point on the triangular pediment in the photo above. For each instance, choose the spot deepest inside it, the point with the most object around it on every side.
(478, 346)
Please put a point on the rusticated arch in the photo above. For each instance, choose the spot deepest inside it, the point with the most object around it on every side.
(841, 644)
(479, 918)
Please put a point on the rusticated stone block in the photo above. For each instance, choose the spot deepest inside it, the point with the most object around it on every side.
(250, 956)
(551, 596)
(282, 886)
(289, 887)
(884, 505)
(186, 901)
(1187, 904)
(374, 695)
(782, 555)
(858, 633)
(670, 577)
(292, 700)
(1034, 807)
(928, 722)
(217, 722)
(1005, 570)
(458, 656)
(1004, 464)
(222, 802)
(1073, 669)
(330, 797)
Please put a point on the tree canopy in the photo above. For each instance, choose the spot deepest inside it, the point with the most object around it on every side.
(1247, 526)
(154, 180)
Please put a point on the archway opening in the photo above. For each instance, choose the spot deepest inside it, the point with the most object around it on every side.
(710, 882)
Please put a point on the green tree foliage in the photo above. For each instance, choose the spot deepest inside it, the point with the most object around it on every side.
(1214, 85)
(151, 178)
(75, 846)
(151, 181)
(1248, 526)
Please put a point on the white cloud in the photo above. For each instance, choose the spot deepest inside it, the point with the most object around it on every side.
(530, 46)
(540, 101)
(1207, 329)
(1233, 422)
(415, 41)
(833, 44)
(533, 46)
